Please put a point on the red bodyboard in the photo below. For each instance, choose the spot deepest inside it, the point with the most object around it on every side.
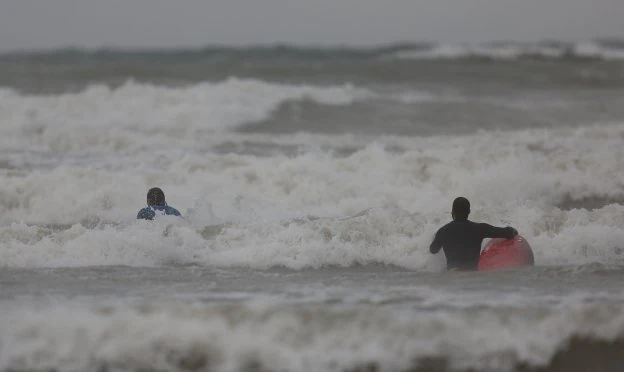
(506, 254)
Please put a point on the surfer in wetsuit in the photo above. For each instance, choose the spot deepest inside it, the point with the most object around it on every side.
(461, 239)
(156, 204)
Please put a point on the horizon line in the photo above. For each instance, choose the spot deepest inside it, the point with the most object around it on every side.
(614, 41)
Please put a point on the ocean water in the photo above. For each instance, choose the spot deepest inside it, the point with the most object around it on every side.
(311, 182)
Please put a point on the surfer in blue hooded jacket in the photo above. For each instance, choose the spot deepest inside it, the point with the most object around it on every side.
(156, 205)
(461, 239)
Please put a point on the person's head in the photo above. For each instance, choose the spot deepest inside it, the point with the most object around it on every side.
(461, 208)
(155, 196)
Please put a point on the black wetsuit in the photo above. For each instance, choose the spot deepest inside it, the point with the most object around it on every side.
(461, 241)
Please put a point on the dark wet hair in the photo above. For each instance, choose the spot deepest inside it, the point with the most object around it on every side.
(461, 208)
(155, 196)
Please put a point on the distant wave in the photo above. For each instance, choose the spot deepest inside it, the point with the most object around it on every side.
(73, 70)
(76, 120)
(513, 51)
(597, 49)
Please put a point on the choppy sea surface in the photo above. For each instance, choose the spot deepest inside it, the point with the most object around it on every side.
(311, 182)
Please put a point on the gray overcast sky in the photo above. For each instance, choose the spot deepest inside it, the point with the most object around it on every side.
(31, 24)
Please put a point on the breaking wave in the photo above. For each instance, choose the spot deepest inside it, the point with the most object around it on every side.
(515, 51)
(102, 118)
(250, 337)
(380, 204)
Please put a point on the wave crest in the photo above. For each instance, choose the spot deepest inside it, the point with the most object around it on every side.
(237, 337)
(135, 114)
(515, 51)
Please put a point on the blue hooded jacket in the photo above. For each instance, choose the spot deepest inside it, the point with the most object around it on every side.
(148, 213)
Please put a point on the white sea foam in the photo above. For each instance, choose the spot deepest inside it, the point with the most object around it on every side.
(304, 211)
(75, 169)
(513, 51)
(143, 115)
(593, 50)
(235, 337)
